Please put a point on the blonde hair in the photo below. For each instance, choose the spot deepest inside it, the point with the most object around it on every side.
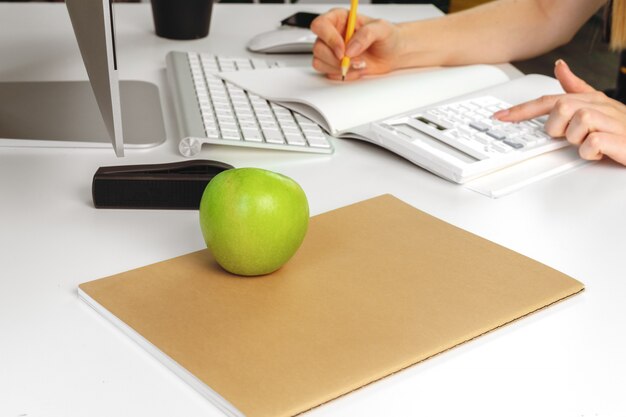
(618, 25)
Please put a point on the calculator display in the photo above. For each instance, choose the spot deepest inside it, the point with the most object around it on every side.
(430, 123)
(410, 133)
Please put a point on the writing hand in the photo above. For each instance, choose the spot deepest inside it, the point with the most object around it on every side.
(373, 48)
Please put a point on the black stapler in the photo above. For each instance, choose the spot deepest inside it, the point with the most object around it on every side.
(177, 185)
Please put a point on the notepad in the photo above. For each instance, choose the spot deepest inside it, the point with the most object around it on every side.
(376, 287)
(345, 108)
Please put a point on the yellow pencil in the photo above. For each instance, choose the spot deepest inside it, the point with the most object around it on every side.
(345, 62)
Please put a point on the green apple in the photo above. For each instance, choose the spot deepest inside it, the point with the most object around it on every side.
(253, 221)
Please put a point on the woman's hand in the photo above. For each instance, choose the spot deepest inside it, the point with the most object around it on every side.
(373, 49)
(584, 116)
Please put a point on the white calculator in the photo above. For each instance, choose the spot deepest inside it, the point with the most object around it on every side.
(461, 141)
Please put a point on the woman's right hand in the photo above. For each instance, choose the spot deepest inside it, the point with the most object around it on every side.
(374, 48)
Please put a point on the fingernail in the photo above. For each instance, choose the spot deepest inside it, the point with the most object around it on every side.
(358, 64)
(500, 114)
(339, 52)
(559, 62)
(353, 49)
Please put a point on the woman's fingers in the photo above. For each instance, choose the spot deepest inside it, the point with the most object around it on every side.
(322, 52)
(570, 82)
(529, 110)
(333, 72)
(562, 113)
(366, 35)
(598, 144)
(586, 121)
(372, 48)
(574, 87)
(324, 68)
(559, 105)
(329, 28)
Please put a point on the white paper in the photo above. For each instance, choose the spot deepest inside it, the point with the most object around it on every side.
(516, 177)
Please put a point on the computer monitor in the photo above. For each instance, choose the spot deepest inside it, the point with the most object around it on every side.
(93, 25)
(97, 113)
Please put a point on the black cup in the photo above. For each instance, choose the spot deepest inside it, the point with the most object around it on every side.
(182, 19)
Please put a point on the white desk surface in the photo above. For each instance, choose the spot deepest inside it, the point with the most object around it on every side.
(60, 358)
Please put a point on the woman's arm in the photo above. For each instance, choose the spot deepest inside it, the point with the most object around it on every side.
(499, 31)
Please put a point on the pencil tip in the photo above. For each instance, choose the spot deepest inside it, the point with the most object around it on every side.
(343, 78)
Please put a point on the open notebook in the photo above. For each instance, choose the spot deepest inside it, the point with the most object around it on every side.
(376, 287)
(345, 108)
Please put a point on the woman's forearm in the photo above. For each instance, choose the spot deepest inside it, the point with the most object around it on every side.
(500, 31)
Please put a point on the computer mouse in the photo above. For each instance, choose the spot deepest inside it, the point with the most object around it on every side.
(286, 40)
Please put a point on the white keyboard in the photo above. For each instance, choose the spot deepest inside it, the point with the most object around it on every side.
(461, 140)
(213, 111)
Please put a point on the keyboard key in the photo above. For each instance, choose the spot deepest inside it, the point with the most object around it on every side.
(288, 124)
(302, 119)
(274, 137)
(265, 124)
(318, 142)
(221, 102)
(244, 112)
(210, 126)
(282, 113)
(247, 124)
(314, 135)
(221, 108)
(228, 126)
(212, 133)
(226, 118)
(252, 135)
(230, 135)
(295, 139)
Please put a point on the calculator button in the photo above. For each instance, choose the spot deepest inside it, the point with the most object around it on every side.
(481, 127)
(497, 134)
(514, 144)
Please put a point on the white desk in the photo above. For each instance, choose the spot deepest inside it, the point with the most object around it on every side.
(59, 358)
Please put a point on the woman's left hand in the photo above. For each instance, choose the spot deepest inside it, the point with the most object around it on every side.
(584, 116)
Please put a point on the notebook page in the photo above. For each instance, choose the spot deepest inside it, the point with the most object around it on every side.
(346, 105)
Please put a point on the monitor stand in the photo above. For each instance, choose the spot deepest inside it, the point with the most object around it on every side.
(65, 114)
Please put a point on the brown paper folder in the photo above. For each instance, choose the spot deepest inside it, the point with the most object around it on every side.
(376, 287)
